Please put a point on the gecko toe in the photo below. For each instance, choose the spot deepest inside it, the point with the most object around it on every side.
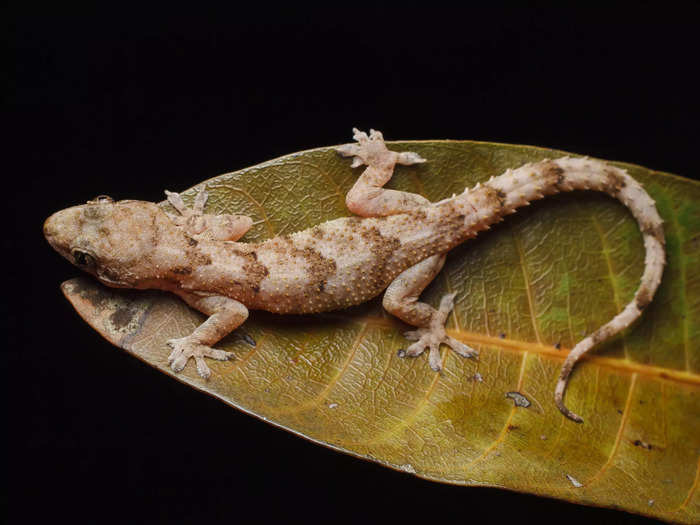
(177, 350)
(460, 348)
(248, 339)
(412, 335)
(219, 355)
(415, 349)
(179, 363)
(434, 358)
(202, 367)
(348, 150)
(407, 158)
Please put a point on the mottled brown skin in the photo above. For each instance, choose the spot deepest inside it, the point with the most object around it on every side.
(399, 245)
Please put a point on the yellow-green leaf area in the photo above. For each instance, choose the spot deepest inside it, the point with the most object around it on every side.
(528, 290)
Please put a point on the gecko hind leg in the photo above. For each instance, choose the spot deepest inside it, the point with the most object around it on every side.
(367, 197)
(401, 300)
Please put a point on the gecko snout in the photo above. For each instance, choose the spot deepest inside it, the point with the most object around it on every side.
(60, 229)
(50, 229)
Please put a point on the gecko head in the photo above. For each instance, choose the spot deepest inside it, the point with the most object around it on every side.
(110, 240)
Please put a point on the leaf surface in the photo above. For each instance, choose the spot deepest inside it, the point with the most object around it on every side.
(528, 290)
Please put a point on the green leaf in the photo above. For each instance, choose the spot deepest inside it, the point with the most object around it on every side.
(527, 291)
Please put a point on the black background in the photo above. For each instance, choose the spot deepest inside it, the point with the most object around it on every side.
(130, 102)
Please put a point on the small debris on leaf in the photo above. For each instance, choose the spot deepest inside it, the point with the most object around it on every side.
(477, 377)
(519, 399)
(502, 335)
(407, 467)
(576, 483)
(643, 444)
(557, 345)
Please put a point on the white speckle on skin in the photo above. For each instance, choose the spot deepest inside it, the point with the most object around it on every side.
(333, 405)
(407, 467)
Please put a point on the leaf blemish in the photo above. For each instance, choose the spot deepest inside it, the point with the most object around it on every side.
(643, 444)
(518, 399)
(576, 483)
(121, 317)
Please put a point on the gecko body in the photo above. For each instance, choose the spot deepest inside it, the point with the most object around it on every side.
(398, 244)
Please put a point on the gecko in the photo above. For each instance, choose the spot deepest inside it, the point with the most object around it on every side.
(396, 242)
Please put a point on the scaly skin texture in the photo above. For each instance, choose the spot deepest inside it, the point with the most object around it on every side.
(398, 244)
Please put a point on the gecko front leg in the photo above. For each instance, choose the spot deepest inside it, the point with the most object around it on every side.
(225, 315)
(368, 198)
(401, 300)
(196, 223)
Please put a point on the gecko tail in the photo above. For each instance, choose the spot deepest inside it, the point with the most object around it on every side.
(533, 181)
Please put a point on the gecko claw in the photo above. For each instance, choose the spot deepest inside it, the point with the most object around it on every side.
(246, 339)
(184, 348)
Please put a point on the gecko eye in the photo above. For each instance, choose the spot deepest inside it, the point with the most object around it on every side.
(83, 259)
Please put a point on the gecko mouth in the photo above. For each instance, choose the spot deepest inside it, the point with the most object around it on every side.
(110, 279)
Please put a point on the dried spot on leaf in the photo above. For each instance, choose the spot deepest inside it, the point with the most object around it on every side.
(574, 481)
(407, 467)
(518, 399)
(643, 444)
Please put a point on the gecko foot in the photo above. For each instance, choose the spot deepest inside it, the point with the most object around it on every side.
(371, 150)
(432, 336)
(184, 348)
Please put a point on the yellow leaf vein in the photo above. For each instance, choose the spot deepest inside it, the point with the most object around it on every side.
(682, 297)
(504, 431)
(693, 487)
(620, 431)
(528, 286)
(611, 273)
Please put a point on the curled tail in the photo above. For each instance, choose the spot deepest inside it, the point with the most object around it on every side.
(518, 187)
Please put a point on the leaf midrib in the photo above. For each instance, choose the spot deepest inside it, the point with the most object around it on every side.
(624, 365)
